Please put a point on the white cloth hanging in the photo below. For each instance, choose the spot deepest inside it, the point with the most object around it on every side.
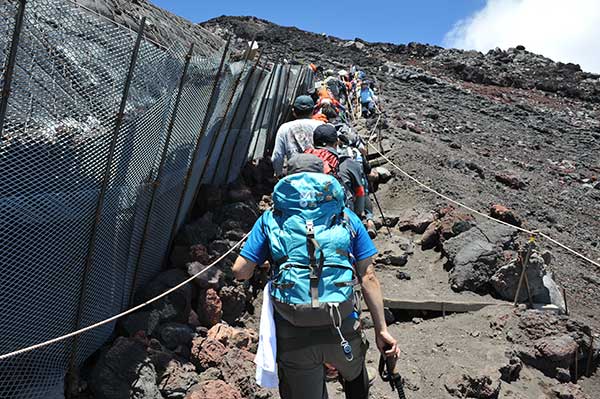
(266, 355)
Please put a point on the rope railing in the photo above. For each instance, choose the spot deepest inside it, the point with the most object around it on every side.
(460, 204)
(122, 314)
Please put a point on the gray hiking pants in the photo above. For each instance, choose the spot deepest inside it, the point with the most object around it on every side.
(302, 352)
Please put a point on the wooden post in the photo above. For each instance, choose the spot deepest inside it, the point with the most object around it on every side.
(524, 271)
(576, 364)
(588, 369)
(529, 297)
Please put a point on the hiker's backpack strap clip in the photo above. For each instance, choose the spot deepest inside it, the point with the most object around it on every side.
(315, 266)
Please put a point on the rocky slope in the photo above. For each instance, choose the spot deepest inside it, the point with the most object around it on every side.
(507, 127)
(163, 27)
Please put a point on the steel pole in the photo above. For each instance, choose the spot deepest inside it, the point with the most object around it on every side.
(11, 62)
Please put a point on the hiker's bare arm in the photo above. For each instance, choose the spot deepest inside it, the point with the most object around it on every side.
(243, 269)
(374, 299)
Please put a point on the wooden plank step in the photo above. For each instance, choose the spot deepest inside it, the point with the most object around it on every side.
(440, 305)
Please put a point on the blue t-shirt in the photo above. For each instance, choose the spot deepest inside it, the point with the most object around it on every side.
(256, 248)
(366, 95)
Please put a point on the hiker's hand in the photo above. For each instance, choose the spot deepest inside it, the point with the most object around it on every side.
(384, 341)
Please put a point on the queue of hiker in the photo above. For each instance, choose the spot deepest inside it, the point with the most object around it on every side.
(322, 128)
(316, 245)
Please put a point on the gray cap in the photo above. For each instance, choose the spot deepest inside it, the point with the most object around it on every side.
(305, 163)
(304, 103)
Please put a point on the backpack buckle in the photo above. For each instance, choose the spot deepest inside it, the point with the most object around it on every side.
(310, 228)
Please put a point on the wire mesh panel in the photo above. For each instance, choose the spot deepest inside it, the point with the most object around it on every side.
(199, 158)
(133, 170)
(187, 127)
(234, 155)
(217, 120)
(65, 94)
(263, 101)
(240, 73)
(87, 203)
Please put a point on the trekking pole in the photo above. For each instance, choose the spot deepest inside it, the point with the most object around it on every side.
(389, 373)
(382, 215)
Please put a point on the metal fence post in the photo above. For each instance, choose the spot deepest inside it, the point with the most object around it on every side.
(272, 117)
(159, 172)
(214, 139)
(103, 190)
(246, 113)
(234, 116)
(10, 63)
(280, 116)
(262, 111)
(297, 85)
(207, 116)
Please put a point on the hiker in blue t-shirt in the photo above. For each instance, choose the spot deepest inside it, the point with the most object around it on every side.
(319, 253)
(367, 99)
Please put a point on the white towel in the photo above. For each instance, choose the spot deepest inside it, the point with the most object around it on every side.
(266, 355)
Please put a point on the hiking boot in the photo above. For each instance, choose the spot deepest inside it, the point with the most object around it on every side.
(371, 229)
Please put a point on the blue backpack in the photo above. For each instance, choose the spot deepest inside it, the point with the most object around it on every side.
(313, 280)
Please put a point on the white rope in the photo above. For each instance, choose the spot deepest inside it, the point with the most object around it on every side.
(531, 232)
(118, 316)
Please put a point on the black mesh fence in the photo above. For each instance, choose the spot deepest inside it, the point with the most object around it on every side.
(90, 197)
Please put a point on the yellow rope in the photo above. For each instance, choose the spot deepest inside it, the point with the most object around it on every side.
(118, 316)
(531, 232)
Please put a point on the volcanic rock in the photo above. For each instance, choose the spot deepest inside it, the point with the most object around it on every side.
(235, 302)
(175, 307)
(417, 224)
(482, 386)
(124, 368)
(234, 337)
(241, 212)
(210, 278)
(173, 335)
(200, 231)
(177, 379)
(210, 308)
(475, 257)
(239, 370)
(214, 389)
(569, 391)
(504, 214)
(512, 370)
(511, 180)
(207, 352)
(199, 253)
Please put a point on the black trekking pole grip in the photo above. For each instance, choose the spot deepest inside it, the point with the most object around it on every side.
(393, 375)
